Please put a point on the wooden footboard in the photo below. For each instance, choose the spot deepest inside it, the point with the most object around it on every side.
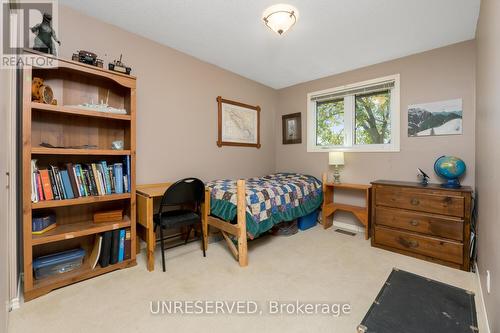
(239, 230)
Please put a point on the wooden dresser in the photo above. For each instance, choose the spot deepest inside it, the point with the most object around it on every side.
(427, 222)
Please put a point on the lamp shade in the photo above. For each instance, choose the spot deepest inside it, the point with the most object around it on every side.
(280, 17)
(336, 158)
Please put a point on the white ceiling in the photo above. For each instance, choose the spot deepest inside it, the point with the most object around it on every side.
(331, 36)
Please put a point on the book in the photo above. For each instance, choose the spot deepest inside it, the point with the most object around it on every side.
(115, 246)
(121, 246)
(67, 184)
(55, 192)
(125, 183)
(39, 186)
(128, 244)
(71, 174)
(34, 190)
(111, 176)
(127, 169)
(46, 186)
(96, 250)
(118, 171)
(92, 181)
(101, 179)
(95, 173)
(49, 227)
(106, 178)
(105, 252)
(79, 176)
(58, 179)
(41, 224)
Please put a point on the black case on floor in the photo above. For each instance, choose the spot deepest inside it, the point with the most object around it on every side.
(411, 303)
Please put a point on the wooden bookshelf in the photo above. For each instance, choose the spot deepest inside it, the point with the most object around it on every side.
(64, 125)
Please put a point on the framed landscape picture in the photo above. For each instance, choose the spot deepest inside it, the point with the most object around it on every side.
(438, 118)
(291, 128)
(238, 124)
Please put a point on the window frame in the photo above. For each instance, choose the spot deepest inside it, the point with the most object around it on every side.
(349, 118)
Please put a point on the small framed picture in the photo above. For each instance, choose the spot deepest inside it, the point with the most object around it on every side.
(292, 129)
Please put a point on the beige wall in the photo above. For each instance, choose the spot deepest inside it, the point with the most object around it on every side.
(440, 74)
(177, 110)
(488, 155)
(5, 253)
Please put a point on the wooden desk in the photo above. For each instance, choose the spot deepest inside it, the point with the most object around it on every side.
(330, 206)
(145, 210)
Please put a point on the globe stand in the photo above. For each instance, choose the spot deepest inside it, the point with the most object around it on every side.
(452, 183)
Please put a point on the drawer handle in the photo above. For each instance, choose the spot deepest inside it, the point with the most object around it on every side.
(415, 202)
(413, 243)
(409, 243)
(414, 223)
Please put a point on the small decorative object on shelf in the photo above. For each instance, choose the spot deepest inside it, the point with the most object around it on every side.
(119, 66)
(88, 58)
(58, 263)
(109, 216)
(42, 93)
(117, 145)
(43, 223)
(336, 159)
(424, 178)
(450, 168)
(44, 35)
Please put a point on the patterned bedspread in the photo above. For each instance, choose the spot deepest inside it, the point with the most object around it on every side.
(270, 199)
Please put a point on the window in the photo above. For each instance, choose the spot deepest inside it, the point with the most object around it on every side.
(358, 117)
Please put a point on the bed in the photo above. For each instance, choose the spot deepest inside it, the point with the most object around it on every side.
(248, 208)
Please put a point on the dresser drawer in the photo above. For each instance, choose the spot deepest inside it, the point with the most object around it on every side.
(425, 245)
(437, 202)
(441, 226)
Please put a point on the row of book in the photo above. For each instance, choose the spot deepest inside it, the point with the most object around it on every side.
(79, 180)
(111, 247)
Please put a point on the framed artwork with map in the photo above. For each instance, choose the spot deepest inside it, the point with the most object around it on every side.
(238, 124)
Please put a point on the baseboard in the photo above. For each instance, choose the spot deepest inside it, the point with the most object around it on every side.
(348, 227)
(481, 299)
(15, 303)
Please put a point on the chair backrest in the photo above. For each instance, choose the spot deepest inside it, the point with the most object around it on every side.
(184, 191)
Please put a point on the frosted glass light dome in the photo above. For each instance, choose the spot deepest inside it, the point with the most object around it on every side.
(280, 18)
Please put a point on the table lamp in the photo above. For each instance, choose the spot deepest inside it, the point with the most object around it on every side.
(336, 159)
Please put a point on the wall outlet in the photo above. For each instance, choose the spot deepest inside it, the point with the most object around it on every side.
(488, 281)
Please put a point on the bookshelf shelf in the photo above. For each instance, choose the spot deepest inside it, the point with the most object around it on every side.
(64, 151)
(73, 230)
(74, 83)
(79, 201)
(77, 112)
(45, 285)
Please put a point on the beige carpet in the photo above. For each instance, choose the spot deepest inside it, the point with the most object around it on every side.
(312, 266)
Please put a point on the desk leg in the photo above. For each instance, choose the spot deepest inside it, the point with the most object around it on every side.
(145, 220)
(151, 242)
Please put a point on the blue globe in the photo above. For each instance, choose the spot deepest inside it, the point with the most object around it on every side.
(450, 168)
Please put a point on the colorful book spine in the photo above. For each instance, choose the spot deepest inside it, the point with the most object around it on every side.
(46, 186)
(39, 186)
(118, 171)
(127, 168)
(107, 179)
(55, 192)
(67, 184)
(121, 249)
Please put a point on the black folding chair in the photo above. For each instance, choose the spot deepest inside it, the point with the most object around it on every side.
(185, 192)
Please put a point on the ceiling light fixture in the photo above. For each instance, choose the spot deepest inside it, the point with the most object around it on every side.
(281, 17)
